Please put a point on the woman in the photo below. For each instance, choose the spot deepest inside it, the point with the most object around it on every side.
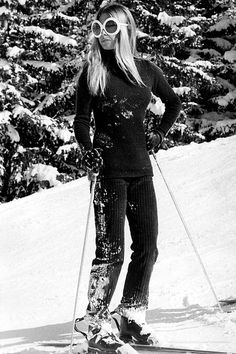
(116, 85)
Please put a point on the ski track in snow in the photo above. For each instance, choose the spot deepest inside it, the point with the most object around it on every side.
(42, 237)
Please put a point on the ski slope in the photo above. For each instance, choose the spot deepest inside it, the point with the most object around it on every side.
(41, 238)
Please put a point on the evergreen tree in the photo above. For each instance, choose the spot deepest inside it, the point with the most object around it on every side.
(42, 48)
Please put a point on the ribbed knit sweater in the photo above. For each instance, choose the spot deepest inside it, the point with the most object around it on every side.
(119, 116)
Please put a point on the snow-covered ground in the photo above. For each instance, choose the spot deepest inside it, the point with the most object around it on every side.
(42, 237)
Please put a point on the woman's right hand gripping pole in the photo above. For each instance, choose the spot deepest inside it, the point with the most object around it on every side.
(92, 162)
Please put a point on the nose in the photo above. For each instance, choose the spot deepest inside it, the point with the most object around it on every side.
(104, 35)
(103, 32)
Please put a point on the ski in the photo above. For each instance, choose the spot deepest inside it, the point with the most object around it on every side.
(142, 349)
(229, 305)
(228, 301)
(148, 349)
(80, 348)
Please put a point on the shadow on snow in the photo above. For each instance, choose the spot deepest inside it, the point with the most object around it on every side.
(40, 339)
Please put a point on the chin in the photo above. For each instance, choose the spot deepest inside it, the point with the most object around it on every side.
(107, 45)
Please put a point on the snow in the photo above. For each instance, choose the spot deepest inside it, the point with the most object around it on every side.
(146, 12)
(183, 90)
(43, 64)
(165, 19)
(226, 84)
(65, 149)
(141, 34)
(4, 10)
(48, 100)
(203, 63)
(41, 172)
(224, 126)
(211, 52)
(4, 64)
(187, 31)
(19, 111)
(13, 133)
(5, 117)
(64, 134)
(2, 168)
(27, 101)
(230, 56)
(10, 90)
(198, 18)
(21, 149)
(58, 38)
(220, 122)
(199, 72)
(46, 120)
(223, 24)
(14, 52)
(50, 124)
(42, 237)
(156, 105)
(225, 100)
(181, 127)
(68, 18)
(222, 43)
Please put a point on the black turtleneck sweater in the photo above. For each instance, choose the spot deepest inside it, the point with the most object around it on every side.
(119, 116)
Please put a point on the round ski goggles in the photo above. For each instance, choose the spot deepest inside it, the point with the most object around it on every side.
(111, 26)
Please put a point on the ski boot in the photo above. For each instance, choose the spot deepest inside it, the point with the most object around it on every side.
(101, 338)
(138, 332)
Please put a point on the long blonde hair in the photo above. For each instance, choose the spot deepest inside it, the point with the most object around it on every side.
(125, 50)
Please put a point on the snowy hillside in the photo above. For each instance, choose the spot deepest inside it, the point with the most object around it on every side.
(42, 237)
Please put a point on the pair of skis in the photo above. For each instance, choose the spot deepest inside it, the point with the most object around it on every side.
(228, 305)
(80, 348)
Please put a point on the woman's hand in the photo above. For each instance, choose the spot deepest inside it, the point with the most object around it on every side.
(154, 140)
(92, 161)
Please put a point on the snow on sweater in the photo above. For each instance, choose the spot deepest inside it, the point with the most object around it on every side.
(119, 116)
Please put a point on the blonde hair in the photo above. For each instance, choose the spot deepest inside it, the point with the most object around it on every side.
(125, 50)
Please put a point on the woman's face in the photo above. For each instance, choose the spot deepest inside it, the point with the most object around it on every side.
(106, 41)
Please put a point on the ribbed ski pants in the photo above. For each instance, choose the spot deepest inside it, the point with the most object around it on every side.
(115, 199)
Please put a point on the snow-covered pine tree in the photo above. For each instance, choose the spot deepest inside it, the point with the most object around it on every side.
(194, 44)
(41, 54)
(42, 47)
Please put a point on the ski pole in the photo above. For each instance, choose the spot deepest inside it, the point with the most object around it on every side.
(188, 234)
(93, 183)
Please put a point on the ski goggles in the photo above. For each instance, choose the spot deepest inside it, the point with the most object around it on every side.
(111, 26)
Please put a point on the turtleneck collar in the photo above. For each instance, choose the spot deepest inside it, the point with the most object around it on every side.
(108, 58)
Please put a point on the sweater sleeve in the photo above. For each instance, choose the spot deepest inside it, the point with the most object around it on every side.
(161, 88)
(83, 109)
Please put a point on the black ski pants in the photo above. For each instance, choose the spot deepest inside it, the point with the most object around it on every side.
(116, 198)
